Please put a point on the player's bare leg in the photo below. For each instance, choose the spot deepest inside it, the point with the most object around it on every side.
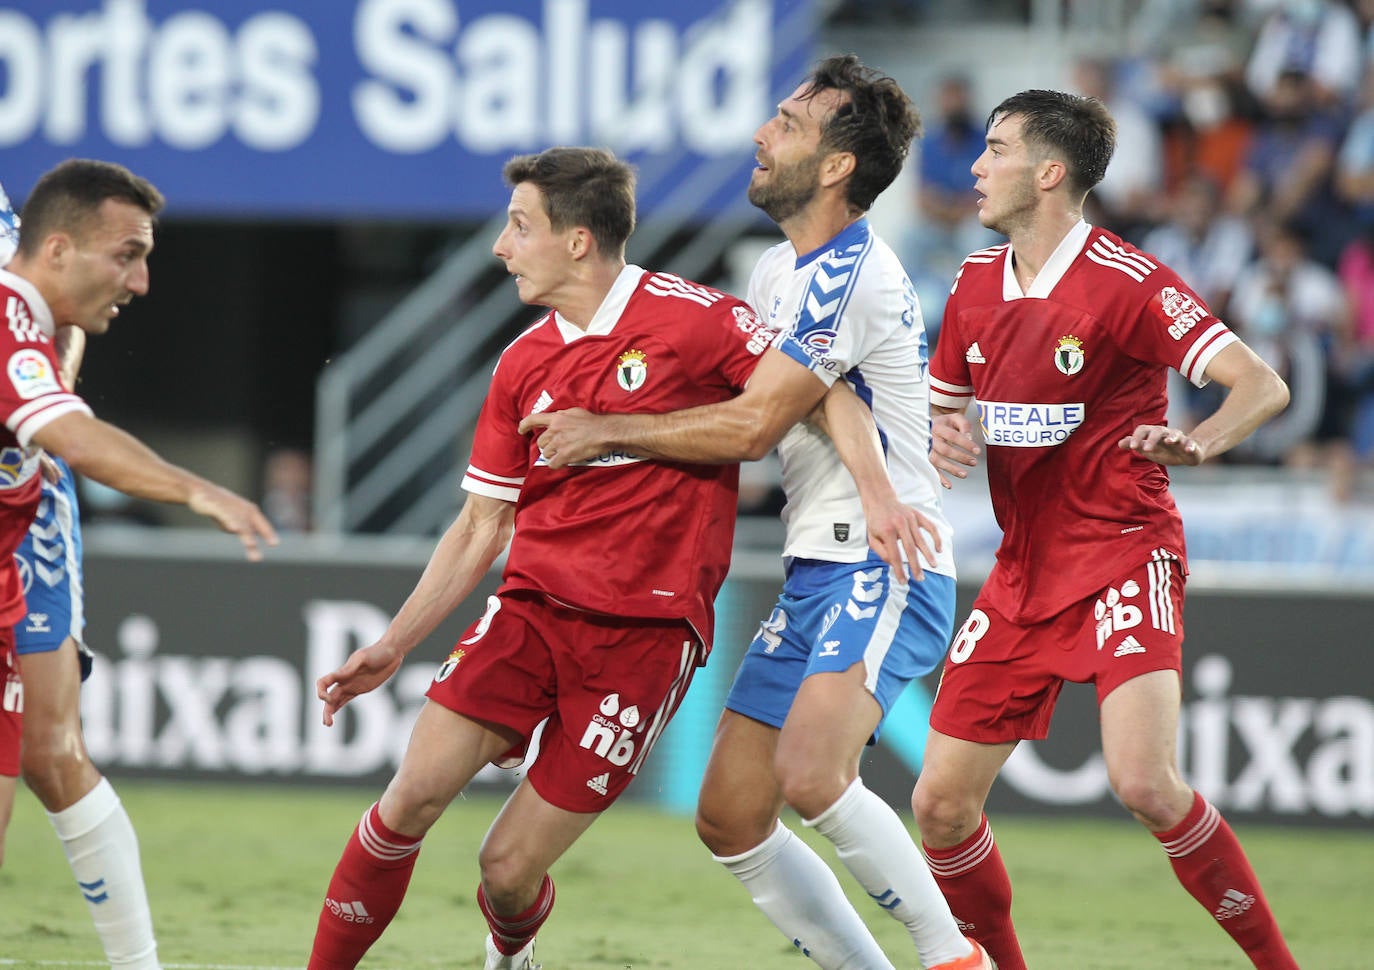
(8, 786)
(1140, 743)
(445, 751)
(516, 893)
(737, 819)
(817, 764)
(948, 801)
(89, 819)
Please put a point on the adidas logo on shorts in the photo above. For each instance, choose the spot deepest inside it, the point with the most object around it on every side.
(599, 783)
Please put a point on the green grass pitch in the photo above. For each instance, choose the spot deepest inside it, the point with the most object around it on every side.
(236, 876)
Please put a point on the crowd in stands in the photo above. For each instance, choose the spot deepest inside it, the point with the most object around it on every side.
(1245, 161)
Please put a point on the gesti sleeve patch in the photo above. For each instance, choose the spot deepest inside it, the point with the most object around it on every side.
(32, 374)
(1179, 311)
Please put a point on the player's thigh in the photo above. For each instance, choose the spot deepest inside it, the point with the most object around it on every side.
(445, 752)
(528, 836)
(832, 718)
(52, 690)
(1140, 746)
(740, 799)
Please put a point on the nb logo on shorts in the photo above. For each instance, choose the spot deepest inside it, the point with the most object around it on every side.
(609, 736)
(1113, 614)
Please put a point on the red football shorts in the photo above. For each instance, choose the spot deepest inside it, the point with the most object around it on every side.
(608, 686)
(1002, 679)
(11, 705)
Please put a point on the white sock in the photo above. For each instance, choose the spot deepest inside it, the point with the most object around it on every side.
(102, 849)
(875, 846)
(800, 894)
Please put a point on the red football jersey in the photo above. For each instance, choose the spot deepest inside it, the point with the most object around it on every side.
(1060, 375)
(620, 535)
(31, 395)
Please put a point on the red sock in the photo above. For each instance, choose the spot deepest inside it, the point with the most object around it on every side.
(511, 933)
(976, 884)
(366, 891)
(1208, 860)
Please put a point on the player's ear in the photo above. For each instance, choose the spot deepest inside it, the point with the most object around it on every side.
(581, 243)
(836, 167)
(57, 248)
(1051, 173)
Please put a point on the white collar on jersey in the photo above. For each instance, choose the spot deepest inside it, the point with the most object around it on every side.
(608, 314)
(1052, 272)
(37, 305)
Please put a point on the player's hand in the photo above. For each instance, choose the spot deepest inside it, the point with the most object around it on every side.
(235, 514)
(363, 671)
(1168, 446)
(952, 448)
(52, 474)
(569, 436)
(892, 527)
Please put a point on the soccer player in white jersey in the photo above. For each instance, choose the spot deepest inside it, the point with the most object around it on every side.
(1064, 338)
(851, 629)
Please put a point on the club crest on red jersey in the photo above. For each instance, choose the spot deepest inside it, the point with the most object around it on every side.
(631, 371)
(1068, 355)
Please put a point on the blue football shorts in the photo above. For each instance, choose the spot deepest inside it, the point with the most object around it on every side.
(833, 615)
(49, 561)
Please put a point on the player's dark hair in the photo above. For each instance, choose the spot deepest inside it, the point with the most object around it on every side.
(582, 187)
(68, 199)
(877, 123)
(1077, 130)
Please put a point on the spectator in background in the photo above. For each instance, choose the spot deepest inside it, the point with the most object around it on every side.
(1354, 355)
(1288, 170)
(1318, 38)
(1126, 200)
(286, 489)
(1293, 313)
(947, 226)
(1355, 162)
(1205, 245)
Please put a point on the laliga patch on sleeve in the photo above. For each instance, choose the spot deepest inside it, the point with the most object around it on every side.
(32, 374)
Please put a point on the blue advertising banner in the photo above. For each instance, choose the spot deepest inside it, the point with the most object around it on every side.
(387, 108)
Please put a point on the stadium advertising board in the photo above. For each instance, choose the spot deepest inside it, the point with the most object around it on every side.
(208, 671)
(384, 108)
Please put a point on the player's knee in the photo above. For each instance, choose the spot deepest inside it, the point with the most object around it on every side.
(811, 789)
(508, 878)
(726, 831)
(52, 758)
(1153, 799)
(944, 817)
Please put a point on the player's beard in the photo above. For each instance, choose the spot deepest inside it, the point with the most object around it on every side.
(789, 188)
(1017, 208)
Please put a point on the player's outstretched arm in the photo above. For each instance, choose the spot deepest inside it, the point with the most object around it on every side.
(745, 428)
(952, 448)
(101, 451)
(1256, 394)
(892, 525)
(458, 563)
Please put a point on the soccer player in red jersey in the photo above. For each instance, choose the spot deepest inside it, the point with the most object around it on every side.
(1064, 338)
(605, 607)
(87, 233)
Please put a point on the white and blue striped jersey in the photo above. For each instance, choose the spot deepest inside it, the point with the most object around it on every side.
(847, 310)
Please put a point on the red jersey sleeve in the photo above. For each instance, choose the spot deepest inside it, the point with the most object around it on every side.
(1172, 326)
(31, 393)
(730, 341)
(951, 385)
(500, 454)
